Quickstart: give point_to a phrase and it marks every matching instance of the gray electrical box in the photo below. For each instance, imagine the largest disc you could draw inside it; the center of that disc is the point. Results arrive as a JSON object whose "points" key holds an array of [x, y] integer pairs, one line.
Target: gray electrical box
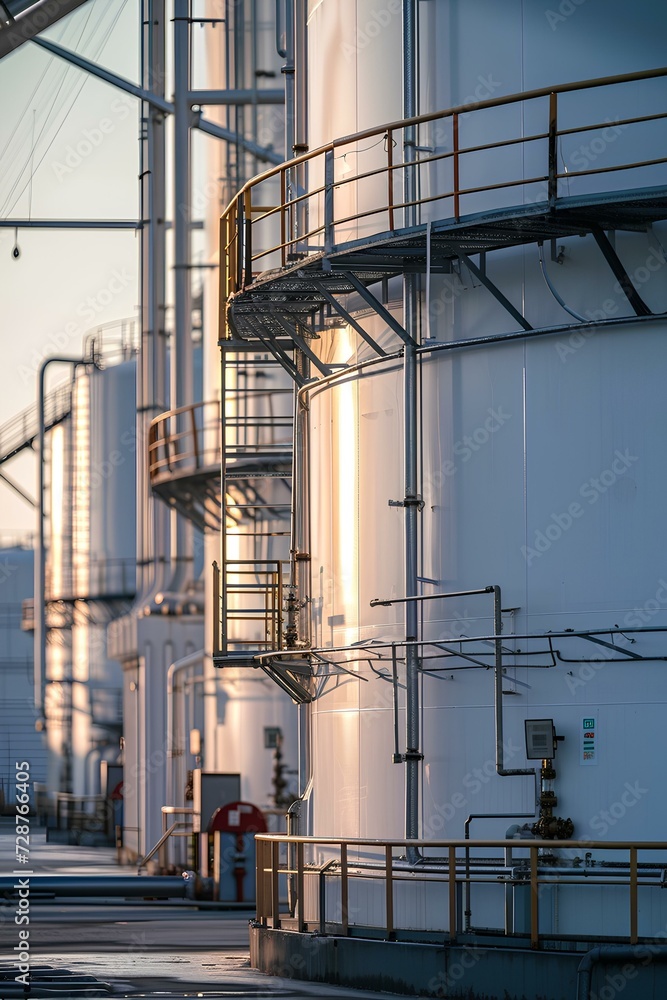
{"points": [[540, 739], [210, 790]]}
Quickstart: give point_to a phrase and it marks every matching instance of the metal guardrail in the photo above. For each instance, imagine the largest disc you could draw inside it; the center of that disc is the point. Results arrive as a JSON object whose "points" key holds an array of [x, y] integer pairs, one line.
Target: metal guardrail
{"points": [[187, 440], [294, 210], [279, 856]]}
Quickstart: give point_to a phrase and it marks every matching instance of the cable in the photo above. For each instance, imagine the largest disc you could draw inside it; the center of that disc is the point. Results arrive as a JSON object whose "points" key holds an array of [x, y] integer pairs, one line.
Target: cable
{"points": [[553, 291], [100, 49], [6, 211]]}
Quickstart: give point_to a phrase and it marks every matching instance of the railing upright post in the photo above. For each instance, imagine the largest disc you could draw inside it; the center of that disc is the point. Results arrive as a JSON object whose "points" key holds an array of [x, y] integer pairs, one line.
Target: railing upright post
{"points": [[300, 913], [239, 242], [390, 177], [328, 201], [275, 898], [283, 217], [553, 150], [534, 901], [452, 893], [247, 280], [389, 892], [344, 889], [455, 150], [633, 895], [195, 439]]}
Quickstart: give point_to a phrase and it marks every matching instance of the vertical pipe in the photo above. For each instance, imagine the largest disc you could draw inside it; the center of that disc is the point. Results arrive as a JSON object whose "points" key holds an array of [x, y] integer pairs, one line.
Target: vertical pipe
{"points": [[410, 319], [288, 71], [181, 362], [152, 396]]}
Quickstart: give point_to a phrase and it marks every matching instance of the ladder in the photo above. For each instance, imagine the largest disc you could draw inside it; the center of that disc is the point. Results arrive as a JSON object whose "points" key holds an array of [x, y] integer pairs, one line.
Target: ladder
{"points": [[256, 479]]}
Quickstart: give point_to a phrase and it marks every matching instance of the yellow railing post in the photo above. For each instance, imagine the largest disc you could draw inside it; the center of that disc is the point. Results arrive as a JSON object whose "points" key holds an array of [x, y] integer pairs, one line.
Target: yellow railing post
{"points": [[534, 901], [389, 891], [633, 895]]}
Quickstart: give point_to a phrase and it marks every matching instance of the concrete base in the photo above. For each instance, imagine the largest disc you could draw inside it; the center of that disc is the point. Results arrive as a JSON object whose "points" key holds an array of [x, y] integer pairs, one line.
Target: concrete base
{"points": [[470, 971]]}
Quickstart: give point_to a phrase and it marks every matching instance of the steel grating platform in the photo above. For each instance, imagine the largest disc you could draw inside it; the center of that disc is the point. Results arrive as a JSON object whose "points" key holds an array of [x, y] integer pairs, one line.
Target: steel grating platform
{"points": [[299, 290]]}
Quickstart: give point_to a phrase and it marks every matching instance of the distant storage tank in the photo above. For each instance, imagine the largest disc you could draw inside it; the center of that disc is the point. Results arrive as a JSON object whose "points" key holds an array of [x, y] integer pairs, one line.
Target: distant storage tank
{"points": [[90, 573], [21, 742]]}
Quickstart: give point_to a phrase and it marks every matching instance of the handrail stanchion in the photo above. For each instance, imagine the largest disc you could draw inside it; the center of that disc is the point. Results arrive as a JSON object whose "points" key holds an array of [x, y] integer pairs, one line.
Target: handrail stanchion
{"points": [[247, 208], [633, 895], [328, 201], [390, 177], [534, 901], [389, 891], [452, 893], [344, 893], [300, 912], [553, 149], [275, 897], [455, 150], [283, 218]]}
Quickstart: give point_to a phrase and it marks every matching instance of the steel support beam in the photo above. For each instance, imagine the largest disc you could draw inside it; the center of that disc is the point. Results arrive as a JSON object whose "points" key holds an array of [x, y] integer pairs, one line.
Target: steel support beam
{"points": [[190, 97], [280, 355], [621, 275], [342, 311], [377, 306], [495, 291], [300, 342], [36, 19], [106, 75], [218, 132]]}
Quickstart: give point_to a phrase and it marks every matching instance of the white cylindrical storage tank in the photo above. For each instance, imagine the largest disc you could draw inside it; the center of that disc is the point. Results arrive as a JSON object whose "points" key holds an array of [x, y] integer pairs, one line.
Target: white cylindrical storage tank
{"points": [[541, 452]]}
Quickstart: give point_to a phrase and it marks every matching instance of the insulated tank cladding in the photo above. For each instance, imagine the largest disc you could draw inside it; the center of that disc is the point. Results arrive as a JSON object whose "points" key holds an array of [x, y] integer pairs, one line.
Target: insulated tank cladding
{"points": [[542, 461]]}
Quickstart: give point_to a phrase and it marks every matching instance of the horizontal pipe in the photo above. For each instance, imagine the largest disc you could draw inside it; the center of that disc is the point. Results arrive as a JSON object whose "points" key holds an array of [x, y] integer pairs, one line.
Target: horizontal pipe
{"points": [[614, 953], [124, 886], [199, 97], [377, 601], [70, 224]]}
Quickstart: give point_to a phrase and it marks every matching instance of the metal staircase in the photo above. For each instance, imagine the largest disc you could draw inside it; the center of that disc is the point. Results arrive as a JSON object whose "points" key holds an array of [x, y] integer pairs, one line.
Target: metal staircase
{"points": [[21, 430]]}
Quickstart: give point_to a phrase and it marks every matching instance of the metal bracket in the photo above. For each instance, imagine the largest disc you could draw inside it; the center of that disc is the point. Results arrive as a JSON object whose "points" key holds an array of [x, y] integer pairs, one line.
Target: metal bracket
{"points": [[347, 316], [621, 275], [409, 501], [377, 306], [495, 291]]}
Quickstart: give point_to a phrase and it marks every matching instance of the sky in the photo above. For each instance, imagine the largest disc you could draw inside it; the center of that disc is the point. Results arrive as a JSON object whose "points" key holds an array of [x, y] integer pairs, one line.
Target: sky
{"points": [[68, 149]]}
